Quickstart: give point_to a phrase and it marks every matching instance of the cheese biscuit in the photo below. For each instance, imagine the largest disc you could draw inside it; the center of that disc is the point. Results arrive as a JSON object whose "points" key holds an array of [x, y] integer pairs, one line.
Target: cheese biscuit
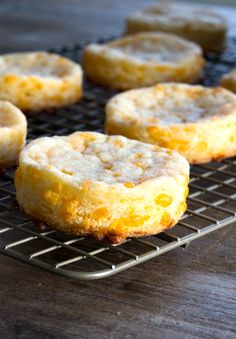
{"points": [[37, 80], [142, 60], [109, 187], [198, 122], [203, 26], [13, 129]]}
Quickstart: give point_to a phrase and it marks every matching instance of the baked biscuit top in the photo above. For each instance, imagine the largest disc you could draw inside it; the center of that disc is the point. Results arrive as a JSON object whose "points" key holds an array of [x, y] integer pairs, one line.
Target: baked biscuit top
{"points": [[180, 15], [161, 48], [37, 64], [90, 156], [167, 104]]}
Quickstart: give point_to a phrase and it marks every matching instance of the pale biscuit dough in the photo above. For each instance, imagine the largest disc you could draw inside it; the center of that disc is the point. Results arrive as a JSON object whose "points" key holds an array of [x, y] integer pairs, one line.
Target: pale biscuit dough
{"points": [[106, 186], [143, 59], [203, 26], [198, 122], [37, 80], [13, 129], [229, 81]]}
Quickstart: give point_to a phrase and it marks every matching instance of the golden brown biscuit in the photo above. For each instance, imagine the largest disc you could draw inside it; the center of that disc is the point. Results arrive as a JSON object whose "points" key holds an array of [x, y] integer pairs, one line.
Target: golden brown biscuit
{"points": [[142, 60], [198, 122], [229, 81], [37, 80], [203, 26], [13, 129], [105, 186]]}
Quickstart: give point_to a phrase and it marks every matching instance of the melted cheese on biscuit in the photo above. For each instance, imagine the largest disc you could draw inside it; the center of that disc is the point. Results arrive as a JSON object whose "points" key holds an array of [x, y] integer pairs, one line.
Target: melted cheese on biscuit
{"points": [[38, 64], [149, 47], [109, 159], [168, 104], [180, 15]]}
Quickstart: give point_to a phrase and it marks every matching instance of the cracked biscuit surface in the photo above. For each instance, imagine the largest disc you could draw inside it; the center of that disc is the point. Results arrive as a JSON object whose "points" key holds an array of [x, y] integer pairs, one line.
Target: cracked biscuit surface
{"points": [[198, 122], [201, 25], [13, 129], [37, 80], [143, 59], [109, 187]]}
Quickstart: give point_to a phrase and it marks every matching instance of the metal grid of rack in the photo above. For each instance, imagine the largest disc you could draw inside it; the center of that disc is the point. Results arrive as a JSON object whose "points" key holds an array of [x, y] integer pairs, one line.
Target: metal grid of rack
{"points": [[211, 202]]}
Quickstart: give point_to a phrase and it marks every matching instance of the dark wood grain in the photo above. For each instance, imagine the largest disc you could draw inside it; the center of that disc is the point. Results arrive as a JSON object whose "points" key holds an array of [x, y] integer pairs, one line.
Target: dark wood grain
{"points": [[183, 294]]}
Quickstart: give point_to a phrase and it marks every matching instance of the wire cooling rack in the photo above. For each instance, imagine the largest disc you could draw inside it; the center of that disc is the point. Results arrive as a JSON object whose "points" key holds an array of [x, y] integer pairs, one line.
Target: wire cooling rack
{"points": [[211, 202]]}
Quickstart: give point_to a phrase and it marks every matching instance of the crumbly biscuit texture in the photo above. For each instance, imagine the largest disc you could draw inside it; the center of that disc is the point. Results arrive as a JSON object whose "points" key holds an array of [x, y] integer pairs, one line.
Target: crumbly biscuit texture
{"points": [[198, 122], [13, 129], [201, 25], [229, 81], [143, 59], [37, 80], [105, 186]]}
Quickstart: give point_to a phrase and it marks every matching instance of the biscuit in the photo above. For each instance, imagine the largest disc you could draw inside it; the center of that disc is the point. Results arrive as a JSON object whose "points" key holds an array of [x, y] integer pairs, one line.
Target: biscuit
{"points": [[203, 26], [229, 81], [198, 122], [142, 60], [109, 187], [37, 80], [13, 129]]}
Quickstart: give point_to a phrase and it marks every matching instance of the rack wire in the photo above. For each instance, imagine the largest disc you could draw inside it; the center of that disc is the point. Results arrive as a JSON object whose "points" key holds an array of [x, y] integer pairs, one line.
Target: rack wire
{"points": [[211, 202]]}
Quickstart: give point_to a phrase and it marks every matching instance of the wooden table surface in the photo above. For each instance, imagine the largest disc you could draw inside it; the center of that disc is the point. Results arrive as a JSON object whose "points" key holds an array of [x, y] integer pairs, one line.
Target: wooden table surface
{"points": [[183, 294]]}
